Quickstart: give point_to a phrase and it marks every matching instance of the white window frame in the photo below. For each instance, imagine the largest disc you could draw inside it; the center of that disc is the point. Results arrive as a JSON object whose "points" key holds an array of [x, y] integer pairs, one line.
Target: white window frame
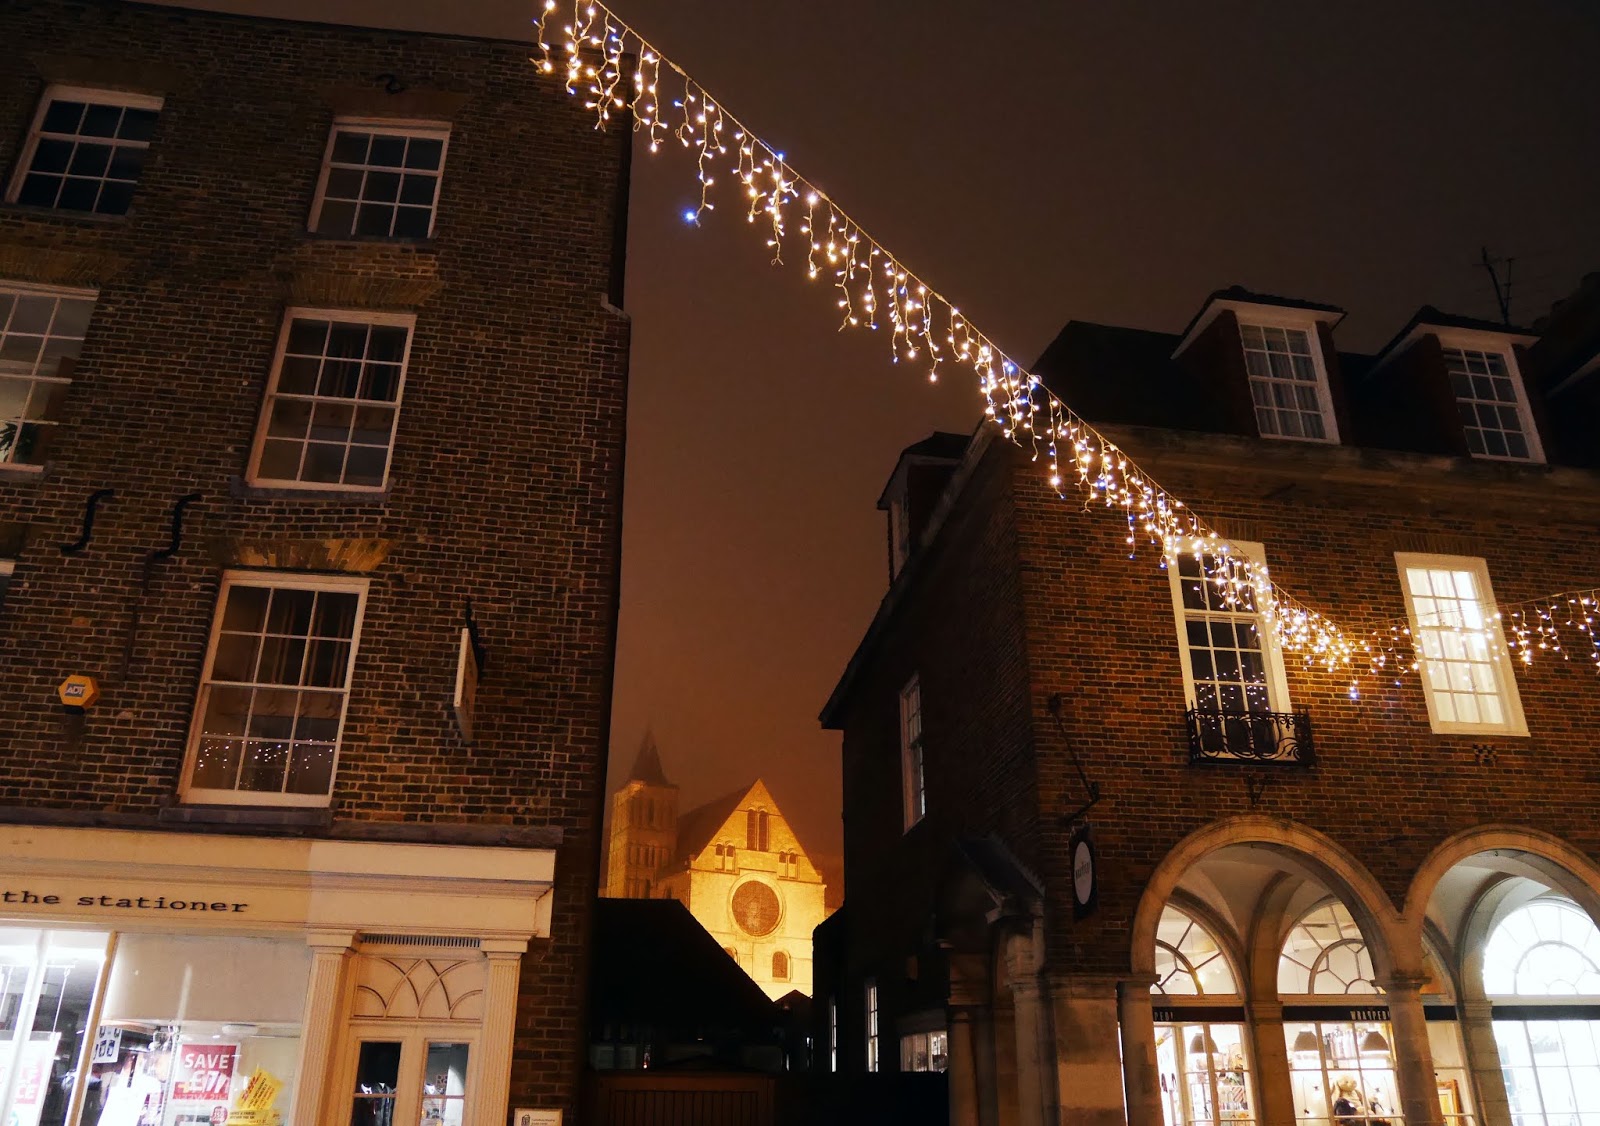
{"points": [[871, 995], [191, 794], [394, 127], [1261, 318], [88, 94], [407, 321], [414, 1039], [28, 290], [913, 755], [1505, 680], [833, 1034], [1496, 346], [1271, 651]]}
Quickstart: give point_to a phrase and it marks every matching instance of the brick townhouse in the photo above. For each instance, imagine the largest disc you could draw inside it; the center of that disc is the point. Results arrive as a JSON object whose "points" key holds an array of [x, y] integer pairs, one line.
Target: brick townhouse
{"points": [[1112, 855], [312, 389]]}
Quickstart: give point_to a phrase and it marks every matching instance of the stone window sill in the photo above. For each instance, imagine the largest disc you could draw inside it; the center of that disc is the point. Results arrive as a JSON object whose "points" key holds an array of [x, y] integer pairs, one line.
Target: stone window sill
{"points": [[300, 818], [240, 489]]}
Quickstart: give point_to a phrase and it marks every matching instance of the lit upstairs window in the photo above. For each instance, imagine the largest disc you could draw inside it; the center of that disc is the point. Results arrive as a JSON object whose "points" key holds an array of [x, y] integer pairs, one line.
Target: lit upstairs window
{"points": [[1287, 384], [1466, 671], [913, 774], [1494, 412], [270, 714], [7, 567], [85, 151], [1230, 662], [41, 333], [380, 180]]}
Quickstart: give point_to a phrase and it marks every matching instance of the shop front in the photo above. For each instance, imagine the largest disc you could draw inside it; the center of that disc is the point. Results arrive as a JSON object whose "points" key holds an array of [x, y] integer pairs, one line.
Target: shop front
{"points": [[163, 979]]}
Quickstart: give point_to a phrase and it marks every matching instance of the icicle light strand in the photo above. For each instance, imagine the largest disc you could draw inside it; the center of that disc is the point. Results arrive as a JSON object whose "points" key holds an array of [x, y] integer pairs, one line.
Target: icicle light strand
{"points": [[875, 289]]}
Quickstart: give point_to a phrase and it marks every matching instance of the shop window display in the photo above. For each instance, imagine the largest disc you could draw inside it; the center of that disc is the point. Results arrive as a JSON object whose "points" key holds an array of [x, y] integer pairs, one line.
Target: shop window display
{"points": [[191, 1030], [197, 1029], [925, 1051], [48, 984], [1201, 1047], [1341, 1058], [1543, 959]]}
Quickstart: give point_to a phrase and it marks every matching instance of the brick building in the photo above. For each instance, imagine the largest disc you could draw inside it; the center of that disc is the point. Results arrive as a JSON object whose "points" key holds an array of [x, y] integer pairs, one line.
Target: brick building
{"points": [[312, 388], [1303, 902]]}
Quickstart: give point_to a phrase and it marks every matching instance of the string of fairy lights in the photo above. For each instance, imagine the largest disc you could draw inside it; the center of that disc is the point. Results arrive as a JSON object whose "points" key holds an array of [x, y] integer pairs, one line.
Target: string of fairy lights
{"points": [[617, 73]]}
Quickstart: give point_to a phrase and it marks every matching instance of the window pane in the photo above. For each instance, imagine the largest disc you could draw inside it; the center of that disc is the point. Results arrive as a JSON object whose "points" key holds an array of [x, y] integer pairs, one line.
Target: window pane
{"points": [[377, 1078], [444, 1085]]}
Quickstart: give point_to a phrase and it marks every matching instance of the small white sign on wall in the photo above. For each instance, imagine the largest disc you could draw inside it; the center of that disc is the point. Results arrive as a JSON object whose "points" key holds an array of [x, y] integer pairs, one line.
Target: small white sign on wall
{"points": [[523, 1117]]}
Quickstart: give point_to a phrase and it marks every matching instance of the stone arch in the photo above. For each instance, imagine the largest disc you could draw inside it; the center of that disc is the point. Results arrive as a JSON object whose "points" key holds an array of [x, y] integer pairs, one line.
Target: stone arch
{"points": [[1544, 855], [1300, 845]]}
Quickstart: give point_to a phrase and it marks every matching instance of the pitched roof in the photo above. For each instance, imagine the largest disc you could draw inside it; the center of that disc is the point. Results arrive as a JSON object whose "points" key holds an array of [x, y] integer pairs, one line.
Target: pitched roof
{"points": [[653, 963], [647, 765], [700, 824]]}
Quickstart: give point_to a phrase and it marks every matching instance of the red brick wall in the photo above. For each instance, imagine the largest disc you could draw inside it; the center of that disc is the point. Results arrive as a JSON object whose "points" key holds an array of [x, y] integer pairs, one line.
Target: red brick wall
{"points": [[507, 468]]}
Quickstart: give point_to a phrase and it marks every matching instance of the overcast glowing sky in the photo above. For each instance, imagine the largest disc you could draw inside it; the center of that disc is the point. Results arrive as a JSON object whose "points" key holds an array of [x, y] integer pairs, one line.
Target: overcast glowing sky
{"points": [[1042, 161]]}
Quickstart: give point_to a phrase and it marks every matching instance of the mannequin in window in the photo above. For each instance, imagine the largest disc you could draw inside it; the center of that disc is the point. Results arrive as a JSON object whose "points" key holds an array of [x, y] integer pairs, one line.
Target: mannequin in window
{"points": [[1348, 1102]]}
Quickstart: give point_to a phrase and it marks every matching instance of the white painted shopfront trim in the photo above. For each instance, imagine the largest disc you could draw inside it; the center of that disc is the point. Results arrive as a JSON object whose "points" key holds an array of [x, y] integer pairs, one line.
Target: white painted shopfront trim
{"points": [[352, 902], [248, 883]]}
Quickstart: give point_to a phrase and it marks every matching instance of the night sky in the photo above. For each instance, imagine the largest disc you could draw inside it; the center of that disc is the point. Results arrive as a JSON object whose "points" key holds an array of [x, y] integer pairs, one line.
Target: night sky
{"points": [[1037, 162]]}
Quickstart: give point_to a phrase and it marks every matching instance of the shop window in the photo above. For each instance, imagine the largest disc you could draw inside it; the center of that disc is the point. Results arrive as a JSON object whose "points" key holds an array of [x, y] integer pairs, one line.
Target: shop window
{"points": [[1232, 667], [49, 981], [913, 773], [1466, 674], [193, 1030], [1542, 975], [380, 179], [1201, 1047], [1341, 1057], [41, 334], [85, 151], [925, 1051], [871, 991], [332, 400], [272, 699]]}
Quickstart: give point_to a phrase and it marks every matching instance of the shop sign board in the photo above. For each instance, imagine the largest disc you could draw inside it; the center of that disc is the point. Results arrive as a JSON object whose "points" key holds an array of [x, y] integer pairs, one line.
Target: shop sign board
{"points": [[204, 1072], [1085, 873], [528, 1117], [466, 698]]}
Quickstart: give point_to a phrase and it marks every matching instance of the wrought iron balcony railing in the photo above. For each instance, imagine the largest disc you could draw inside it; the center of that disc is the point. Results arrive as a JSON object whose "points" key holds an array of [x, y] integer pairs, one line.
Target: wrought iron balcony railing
{"points": [[1276, 738]]}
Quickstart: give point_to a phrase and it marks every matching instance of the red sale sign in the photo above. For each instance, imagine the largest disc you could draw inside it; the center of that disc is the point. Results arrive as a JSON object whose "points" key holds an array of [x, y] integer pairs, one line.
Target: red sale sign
{"points": [[203, 1072]]}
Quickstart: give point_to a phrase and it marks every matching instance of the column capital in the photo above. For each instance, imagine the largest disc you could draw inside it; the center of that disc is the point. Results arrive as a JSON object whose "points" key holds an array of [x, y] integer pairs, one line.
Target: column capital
{"points": [[1084, 985], [331, 941], [1403, 982], [504, 947], [1265, 1012]]}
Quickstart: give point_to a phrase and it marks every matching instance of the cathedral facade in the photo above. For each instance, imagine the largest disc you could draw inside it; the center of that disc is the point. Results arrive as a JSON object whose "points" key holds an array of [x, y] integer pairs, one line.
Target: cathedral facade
{"points": [[734, 862]]}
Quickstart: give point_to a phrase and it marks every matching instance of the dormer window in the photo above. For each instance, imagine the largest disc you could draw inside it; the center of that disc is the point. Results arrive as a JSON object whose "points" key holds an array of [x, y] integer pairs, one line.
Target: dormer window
{"points": [[1494, 412], [1287, 384]]}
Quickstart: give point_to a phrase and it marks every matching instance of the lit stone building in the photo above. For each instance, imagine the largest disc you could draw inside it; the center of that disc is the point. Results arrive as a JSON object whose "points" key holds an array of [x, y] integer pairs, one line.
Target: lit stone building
{"points": [[312, 387], [733, 862], [1114, 857]]}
